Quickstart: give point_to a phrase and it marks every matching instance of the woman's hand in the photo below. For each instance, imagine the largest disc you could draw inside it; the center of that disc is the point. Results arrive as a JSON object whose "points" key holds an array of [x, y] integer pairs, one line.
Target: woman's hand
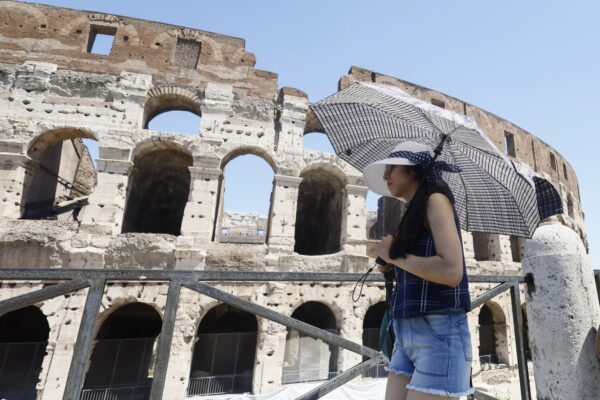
{"points": [[383, 248]]}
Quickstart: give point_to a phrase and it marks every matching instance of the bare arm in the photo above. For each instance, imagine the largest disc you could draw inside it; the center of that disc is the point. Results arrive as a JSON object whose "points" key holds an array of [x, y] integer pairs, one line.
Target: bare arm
{"points": [[446, 267]]}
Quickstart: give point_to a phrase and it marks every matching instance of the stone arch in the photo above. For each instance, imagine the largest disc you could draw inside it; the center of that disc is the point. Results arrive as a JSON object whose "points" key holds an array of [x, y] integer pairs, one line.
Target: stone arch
{"points": [[308, 359], [60, 170], [233, 153], [320, 210], [123, 353], [493, 340], [370, 337], [40, 18], [23, 340], [158, 188], [170, 98], [224, 352]]}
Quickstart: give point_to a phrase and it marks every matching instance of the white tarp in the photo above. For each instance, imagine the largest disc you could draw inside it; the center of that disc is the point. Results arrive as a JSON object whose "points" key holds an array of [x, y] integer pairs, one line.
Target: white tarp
{"points": [[373, 390]]}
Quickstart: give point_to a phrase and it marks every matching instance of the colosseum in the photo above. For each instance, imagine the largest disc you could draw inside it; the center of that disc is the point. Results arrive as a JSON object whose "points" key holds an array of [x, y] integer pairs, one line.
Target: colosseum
{"points": [[152, 202]]}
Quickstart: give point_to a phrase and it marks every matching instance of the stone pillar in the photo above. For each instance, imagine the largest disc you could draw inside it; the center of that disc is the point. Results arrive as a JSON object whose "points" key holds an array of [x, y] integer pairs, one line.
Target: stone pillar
{"points": [[282, 217], [270, 353], [294, 106], [199, 214], [354, 225], [563, 314], [106, 205], [13, 169]]}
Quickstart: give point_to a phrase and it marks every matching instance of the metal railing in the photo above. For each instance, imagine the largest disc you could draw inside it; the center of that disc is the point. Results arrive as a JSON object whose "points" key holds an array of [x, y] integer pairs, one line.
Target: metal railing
{"points": [[117, 393], [219, 384], [70, 280], [311, 375]]}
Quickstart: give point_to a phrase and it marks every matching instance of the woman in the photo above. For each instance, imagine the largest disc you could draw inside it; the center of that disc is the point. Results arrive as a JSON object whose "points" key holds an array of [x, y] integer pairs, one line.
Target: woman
{"points": [[432, 356]]}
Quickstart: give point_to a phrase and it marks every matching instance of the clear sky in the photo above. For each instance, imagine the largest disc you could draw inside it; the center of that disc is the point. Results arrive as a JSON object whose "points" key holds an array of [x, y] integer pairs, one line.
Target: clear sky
{"points": [[537, 64]]}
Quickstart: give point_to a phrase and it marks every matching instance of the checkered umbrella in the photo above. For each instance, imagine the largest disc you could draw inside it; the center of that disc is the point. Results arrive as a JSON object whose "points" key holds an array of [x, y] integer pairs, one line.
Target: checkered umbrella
{"points": [[365, 121]]}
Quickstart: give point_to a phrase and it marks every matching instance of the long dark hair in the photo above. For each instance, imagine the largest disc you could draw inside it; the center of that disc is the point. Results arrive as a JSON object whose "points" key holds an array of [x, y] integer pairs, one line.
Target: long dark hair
{"points": [[414, 221]]}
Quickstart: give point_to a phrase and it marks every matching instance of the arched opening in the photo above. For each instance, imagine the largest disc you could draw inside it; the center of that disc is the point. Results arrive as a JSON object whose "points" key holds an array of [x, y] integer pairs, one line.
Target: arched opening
{"points": [[526, 340], [23, 340], [60, 175], [246, 190], [317, 141], [182, 122], [486, 246], [370, 336], [570, 206], [158, 190], [223, 359], [319, 213], [173, 112], [493, 343], [308, 359], [122, 362]]}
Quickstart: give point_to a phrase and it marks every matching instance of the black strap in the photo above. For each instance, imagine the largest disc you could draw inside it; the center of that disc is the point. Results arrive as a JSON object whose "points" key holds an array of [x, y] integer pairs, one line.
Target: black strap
{"points": [[362, 284]]}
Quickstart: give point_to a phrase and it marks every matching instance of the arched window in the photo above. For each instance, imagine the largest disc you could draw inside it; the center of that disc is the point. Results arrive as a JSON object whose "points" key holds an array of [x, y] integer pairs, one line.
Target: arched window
{"points": [[493, 345], [570, 206], [223, 360], [158, 190], [23, 340], [122, 358], [246, 192], [173, 109], [317, 141], [308, 359], [370, 337], [60, 176], [319, 213]]}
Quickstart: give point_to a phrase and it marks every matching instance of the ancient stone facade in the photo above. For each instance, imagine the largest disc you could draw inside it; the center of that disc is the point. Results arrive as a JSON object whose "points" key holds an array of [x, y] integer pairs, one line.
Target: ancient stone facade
{"points": [[155, 199]]}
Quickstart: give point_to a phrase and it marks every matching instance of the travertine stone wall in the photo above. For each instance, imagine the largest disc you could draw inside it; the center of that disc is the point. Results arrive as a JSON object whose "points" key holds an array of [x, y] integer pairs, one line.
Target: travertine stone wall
{"points": [[53, 89]]}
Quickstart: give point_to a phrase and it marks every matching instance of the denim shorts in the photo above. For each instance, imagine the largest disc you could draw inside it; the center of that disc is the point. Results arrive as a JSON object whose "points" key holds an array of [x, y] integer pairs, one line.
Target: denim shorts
{"points": [[434, 351]]}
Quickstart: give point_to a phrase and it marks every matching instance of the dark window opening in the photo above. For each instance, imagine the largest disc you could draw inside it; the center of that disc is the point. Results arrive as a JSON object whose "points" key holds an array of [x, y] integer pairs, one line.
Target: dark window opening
{"points": [[389, 213], [187, 53], [223, 358], [122, 360], [23, 340], [553, 161], [308, 359], [101, 40], [370, 336], [438, 103], [487, 337], [565, 171], [570, 206], [509, 144], [159, 186], [319, 214]]}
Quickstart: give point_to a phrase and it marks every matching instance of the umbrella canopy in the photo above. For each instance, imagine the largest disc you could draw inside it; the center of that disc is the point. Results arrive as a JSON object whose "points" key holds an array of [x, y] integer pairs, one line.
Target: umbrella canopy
{"points": [[365, 121]]}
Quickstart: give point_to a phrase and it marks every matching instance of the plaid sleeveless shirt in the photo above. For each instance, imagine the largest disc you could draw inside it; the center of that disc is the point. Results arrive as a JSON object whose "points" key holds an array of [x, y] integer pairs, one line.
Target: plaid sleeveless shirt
{"points": [[414, 296]]}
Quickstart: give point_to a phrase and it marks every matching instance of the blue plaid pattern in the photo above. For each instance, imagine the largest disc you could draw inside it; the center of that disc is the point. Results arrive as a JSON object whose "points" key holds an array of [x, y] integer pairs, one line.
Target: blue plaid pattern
{"points": [[415, 296]]}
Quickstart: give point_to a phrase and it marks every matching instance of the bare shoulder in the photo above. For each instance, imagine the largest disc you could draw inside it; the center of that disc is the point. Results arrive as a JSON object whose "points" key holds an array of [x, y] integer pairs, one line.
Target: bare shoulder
{"points": [[439, 209]]}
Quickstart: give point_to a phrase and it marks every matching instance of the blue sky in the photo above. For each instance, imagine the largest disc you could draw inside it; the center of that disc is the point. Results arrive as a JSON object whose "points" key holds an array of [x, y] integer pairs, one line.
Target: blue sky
{"points": [[534, 63]]}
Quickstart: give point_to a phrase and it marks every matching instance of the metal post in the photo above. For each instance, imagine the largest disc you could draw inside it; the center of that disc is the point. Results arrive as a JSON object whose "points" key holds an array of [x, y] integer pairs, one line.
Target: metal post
{"points": [[164, 343], [81, 352], [515, 297]]}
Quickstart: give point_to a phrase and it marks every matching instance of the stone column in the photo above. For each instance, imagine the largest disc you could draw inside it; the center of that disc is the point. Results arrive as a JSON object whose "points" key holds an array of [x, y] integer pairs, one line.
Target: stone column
{"points": [[270, 353], [282, 217], [199, 214], [106, 204], [354, 226], [563, 315], [13, 169]]}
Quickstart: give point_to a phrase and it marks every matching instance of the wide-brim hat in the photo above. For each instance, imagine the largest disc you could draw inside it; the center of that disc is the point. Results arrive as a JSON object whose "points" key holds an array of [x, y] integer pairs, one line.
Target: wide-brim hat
{"points": [[373, 173]]}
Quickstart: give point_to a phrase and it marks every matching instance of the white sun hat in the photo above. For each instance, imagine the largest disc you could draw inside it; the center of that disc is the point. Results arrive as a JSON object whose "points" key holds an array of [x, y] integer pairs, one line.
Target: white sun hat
{"points": [[373, 173]]}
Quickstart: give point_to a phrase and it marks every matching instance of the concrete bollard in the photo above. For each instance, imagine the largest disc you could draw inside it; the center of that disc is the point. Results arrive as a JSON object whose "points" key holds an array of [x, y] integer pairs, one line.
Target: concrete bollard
{"points": [[563, 314]]}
